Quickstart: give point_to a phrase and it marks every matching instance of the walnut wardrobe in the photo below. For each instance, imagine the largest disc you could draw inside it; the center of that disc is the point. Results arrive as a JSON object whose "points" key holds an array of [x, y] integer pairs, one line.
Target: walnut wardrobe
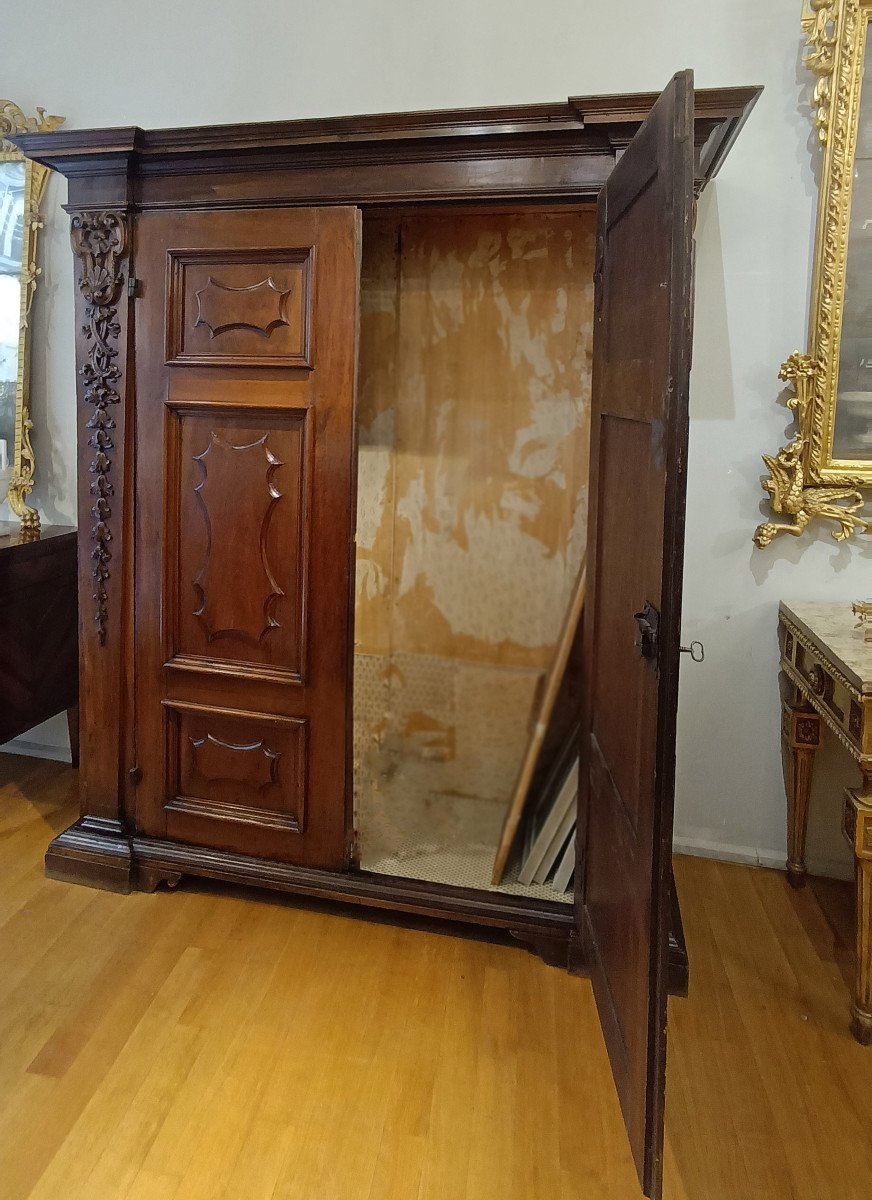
{"points": [[386, 348]]}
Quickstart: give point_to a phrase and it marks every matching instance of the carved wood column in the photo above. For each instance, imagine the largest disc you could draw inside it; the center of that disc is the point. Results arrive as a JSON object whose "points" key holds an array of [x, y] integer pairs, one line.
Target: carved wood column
{"points": [[802, 735], [96, 849], [858, 829]]}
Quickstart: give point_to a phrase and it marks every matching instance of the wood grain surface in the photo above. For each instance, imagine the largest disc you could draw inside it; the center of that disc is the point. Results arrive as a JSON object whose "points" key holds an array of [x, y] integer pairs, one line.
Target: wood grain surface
{"points": [[210, 1044], [244, 530], [635, 556]]}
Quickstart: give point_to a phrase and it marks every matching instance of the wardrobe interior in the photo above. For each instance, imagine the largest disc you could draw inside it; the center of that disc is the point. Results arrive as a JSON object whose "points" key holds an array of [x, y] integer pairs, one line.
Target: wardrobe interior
{"points": [[474, 404]]}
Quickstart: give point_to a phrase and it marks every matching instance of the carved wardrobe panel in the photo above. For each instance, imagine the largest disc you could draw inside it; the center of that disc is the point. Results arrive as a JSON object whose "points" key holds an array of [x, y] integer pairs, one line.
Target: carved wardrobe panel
{"points": [[244, 442]]}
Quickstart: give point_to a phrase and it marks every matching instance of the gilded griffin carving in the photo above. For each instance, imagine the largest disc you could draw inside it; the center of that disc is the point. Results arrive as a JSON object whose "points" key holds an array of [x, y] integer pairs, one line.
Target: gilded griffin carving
{"points": [[786, 483]]}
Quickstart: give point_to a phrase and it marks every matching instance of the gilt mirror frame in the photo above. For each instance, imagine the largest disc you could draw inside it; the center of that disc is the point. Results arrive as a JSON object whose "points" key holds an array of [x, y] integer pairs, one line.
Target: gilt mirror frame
{"points": [[21, 458], [807, 480]]}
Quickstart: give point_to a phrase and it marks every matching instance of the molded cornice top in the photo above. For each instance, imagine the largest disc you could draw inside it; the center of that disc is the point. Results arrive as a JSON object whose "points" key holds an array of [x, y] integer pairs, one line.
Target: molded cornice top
{"points": [[591, 124]]}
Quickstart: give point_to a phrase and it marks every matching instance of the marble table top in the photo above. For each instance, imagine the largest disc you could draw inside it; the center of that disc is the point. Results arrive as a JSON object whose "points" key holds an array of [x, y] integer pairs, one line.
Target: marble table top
{"points": [[832, 627]]}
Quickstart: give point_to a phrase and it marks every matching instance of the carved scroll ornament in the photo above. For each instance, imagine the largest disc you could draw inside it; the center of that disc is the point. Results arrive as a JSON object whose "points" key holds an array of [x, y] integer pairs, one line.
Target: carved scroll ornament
{"points": [[806, 481], [34, 178], [819, 27], [251, 764], [259, 307], [13, 121], [99, 242], [786, 483]]}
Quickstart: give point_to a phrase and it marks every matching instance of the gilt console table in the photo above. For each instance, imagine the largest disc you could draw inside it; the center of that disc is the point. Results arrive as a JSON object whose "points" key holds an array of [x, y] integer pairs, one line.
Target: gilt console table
{"points": [[826, 670]]}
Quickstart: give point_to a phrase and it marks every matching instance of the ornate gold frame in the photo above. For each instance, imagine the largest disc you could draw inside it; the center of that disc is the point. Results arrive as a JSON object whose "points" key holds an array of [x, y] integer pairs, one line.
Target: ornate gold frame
{"points": [[12, 122], [805, 481]]}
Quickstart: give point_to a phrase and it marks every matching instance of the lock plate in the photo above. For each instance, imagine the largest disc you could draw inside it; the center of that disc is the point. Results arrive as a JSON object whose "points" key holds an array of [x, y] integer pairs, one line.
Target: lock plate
{"points": [[648, 621]]}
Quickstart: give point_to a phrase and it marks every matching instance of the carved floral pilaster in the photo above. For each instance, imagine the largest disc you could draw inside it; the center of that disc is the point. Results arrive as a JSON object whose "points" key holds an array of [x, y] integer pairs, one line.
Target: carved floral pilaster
{"points": [[100, 242]]}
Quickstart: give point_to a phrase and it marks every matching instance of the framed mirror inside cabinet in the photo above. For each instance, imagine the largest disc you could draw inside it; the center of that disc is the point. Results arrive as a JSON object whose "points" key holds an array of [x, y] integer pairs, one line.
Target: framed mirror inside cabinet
{"points": [[825, 471], [22, 185]]}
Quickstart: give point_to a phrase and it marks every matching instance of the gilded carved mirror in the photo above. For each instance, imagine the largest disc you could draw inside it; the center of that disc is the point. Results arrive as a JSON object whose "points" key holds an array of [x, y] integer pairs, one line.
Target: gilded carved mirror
{"points": [[825, 471], [22, 184]]}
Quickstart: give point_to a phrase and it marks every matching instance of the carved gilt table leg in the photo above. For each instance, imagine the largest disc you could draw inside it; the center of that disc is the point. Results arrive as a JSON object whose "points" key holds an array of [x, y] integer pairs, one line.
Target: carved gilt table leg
{"points": [[858, 827], [802, 733]]}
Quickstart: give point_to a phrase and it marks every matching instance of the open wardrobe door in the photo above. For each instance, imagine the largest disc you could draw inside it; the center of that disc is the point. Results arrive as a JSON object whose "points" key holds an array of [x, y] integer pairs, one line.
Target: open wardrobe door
{"points": [[642, 346]]}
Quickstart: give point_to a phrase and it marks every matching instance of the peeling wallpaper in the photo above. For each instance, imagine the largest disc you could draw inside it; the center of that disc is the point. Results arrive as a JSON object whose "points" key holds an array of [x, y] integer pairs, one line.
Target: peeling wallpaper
{"points": [[474, 398], [474, 394]]}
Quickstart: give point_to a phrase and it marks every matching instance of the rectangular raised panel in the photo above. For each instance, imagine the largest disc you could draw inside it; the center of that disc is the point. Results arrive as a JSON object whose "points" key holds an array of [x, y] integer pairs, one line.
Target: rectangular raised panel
{"points": [[239, 307], [236, 577], [228, 765]]}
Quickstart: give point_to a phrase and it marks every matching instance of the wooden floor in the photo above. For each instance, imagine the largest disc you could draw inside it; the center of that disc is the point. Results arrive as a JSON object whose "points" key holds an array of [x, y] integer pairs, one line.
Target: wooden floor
{"points": [[204, 1045]]}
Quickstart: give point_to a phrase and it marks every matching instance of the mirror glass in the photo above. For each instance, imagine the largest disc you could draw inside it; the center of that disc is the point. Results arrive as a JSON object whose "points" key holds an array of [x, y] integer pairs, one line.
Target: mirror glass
{"points": [[852, 424], [12, 183]]}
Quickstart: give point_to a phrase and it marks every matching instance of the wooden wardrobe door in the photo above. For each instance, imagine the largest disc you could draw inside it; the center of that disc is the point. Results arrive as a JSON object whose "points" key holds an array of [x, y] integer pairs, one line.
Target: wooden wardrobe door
{"points": [[246, 332], [642, 344]]}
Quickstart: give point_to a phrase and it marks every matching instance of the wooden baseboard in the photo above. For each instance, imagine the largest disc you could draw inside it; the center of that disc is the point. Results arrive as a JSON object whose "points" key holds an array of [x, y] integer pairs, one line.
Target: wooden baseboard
{"points": [[771, 859], [30, 749]]}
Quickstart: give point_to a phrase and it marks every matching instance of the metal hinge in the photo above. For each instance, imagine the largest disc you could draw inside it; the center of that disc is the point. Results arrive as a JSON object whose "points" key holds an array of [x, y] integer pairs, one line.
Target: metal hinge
{"points": [[599, 262], [352, 853], [132, 287]]}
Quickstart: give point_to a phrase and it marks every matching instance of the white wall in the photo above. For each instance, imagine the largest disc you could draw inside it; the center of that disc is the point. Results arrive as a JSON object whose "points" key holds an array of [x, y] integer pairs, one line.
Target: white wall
{"points": [[166, 63]]}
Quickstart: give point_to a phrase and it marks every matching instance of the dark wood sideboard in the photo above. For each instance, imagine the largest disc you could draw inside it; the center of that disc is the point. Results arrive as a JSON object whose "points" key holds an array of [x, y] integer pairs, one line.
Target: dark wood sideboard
{"points": [[39, 644]]}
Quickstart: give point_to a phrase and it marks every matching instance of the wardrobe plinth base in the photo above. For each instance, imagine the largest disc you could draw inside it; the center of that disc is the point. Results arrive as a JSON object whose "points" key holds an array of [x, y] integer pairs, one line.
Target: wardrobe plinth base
{"points": [[554, 951], [94, 852], [156, 859], [149, 879]]}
